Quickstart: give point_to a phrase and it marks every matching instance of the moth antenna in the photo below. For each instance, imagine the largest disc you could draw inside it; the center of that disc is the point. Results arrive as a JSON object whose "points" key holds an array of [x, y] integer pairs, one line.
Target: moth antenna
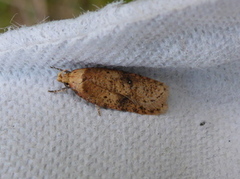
{"points": [[67, 71]]}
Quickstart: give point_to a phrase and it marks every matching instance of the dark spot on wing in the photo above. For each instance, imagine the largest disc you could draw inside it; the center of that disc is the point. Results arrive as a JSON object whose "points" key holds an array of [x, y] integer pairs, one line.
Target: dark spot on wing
{"points": [[123, 101]]}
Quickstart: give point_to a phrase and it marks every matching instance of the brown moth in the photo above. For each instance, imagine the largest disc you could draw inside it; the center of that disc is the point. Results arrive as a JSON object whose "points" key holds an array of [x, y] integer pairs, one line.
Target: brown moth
{"points": [[116, 89]]}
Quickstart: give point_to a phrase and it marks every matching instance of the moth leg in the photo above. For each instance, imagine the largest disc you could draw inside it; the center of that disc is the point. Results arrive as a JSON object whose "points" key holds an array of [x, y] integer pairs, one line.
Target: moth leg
{"points": [[99, 110], [60, 90], [67, 71]]}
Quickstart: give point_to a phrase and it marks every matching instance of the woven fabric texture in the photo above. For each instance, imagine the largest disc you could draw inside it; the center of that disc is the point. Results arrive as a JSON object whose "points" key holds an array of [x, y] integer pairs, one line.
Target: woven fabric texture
{"points": [[191, 45]]}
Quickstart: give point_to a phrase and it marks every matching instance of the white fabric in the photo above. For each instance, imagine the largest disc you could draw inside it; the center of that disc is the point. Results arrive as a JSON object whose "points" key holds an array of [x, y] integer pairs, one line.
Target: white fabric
{"points": [[191, 45]]}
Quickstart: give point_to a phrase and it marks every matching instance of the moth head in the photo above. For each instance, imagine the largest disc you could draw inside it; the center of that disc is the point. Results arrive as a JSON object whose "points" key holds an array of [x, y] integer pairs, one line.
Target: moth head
{"points": [[63, 77]]}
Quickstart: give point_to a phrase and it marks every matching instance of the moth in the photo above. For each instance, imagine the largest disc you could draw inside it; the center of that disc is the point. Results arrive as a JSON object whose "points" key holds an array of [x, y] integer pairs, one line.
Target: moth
{"points": [[116, 89]]}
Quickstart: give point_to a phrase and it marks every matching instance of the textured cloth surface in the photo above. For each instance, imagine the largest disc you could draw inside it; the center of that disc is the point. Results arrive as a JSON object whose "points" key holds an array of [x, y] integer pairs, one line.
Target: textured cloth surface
{"points": [[193, 46]]}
